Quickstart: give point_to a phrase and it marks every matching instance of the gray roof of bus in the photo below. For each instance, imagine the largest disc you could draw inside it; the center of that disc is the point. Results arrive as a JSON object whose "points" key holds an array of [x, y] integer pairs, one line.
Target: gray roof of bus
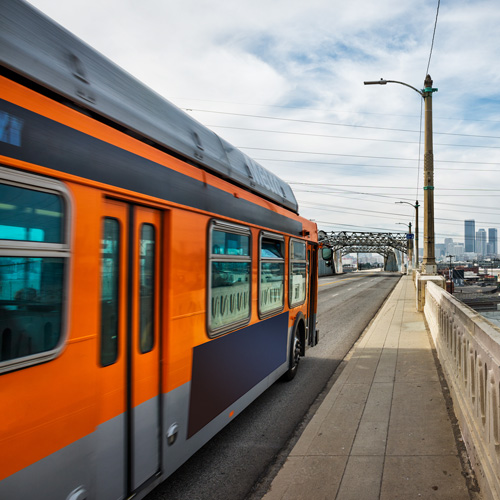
{"points": [[34, 46]]}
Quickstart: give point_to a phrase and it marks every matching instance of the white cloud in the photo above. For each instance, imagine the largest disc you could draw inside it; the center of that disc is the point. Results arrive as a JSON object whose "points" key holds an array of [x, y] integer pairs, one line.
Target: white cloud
{"points": [[307, 61]]}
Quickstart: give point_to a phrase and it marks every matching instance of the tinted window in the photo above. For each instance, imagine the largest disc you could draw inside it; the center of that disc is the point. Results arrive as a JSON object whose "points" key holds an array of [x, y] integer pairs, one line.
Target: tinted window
{"points": [[230, 268], [31, 294], [28, 215], [110, 253], [224, 243], [272, 275], [32, 278], [298, 273], [147, 288]]}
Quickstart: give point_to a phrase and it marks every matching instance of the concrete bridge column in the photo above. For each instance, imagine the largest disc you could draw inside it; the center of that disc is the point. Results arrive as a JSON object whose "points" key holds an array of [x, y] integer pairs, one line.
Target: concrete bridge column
{"points": [[390, 262]]}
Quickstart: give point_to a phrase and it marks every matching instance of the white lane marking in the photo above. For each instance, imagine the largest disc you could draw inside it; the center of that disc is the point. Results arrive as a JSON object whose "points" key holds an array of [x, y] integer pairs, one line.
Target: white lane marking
{"points": [[334, 295]]}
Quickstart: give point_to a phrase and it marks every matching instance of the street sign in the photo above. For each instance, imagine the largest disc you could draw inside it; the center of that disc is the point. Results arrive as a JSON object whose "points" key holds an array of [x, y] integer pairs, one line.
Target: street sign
{"points": [[409, 236]]}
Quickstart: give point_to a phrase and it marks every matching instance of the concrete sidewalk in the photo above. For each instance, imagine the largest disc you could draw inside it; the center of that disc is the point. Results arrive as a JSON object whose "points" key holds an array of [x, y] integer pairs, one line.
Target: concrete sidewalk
{"points": [[383, 430]]}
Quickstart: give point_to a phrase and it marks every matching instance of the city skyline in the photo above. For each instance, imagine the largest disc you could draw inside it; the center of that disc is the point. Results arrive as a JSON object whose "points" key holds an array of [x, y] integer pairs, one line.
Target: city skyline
{"points": [[483, 242]]}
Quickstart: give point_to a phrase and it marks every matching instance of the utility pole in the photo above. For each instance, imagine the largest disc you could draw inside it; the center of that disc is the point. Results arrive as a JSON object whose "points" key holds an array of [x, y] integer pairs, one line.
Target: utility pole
{"points": [[429, 262]]}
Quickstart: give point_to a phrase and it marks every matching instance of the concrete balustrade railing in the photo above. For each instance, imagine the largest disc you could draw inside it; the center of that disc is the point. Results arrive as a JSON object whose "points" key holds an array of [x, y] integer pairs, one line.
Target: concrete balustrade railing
{"points": [[468, 347]]}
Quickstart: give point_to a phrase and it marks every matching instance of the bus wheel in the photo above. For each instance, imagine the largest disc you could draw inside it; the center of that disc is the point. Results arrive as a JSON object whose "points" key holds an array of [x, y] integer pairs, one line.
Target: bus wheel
{"points": [[294, 358]]}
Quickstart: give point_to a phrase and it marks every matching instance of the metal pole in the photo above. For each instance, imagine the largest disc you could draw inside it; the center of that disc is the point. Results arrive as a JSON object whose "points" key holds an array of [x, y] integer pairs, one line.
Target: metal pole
{"points": [[416, 235], [410, 248], [429, 262]]}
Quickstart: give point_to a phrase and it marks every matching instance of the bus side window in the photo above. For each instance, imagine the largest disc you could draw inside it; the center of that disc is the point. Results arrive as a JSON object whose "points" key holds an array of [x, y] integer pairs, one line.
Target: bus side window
{"points": [[298, 273], [33, 260], [229, 270], [272, 274]]}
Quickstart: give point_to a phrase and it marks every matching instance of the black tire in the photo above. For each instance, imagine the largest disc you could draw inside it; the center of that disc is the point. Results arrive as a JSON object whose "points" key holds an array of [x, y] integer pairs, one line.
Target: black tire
{"points": [[295, 349]]}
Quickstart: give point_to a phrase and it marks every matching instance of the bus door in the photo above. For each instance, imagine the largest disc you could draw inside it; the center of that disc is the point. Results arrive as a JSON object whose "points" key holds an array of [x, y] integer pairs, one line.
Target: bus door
{"points": [[143, 344], [137, 230], [312, 271]]}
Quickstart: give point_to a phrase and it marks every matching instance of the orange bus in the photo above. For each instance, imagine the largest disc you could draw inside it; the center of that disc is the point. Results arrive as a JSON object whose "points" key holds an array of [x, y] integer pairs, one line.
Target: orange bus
{"points": [[154, 280]]}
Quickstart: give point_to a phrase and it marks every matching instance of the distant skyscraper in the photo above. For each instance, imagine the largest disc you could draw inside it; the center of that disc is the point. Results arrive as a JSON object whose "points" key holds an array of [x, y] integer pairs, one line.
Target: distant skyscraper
{"points": [[481, 242], [492, 241], [470, 235]]}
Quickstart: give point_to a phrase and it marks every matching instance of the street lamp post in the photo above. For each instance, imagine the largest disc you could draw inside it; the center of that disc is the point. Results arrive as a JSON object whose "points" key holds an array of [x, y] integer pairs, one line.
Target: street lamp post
{"points": [[416, 227], [450, 269], [429, 262], [409, 242]]}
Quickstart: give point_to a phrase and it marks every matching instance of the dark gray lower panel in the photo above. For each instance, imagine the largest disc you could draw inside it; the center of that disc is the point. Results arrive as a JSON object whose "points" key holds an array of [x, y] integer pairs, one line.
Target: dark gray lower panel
{"points": [[110, 459], [55, 476]]}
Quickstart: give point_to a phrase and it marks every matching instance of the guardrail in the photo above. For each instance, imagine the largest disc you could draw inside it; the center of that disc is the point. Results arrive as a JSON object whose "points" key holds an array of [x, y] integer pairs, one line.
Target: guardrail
{"points": [[468, 347]]}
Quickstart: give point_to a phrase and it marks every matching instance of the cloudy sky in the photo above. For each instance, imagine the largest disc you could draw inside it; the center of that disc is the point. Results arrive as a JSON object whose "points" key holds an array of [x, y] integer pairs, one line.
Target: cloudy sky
{"points": [[283, 81]]}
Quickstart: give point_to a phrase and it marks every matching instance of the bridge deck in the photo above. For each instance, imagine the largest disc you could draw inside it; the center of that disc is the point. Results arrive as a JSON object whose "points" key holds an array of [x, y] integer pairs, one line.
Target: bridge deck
{"points": [[384, 431]]}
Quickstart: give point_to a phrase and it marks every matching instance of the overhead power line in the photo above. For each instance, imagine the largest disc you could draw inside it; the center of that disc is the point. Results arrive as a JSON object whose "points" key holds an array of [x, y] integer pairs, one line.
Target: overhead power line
{"points": [[347, 138], [334, 124], [364, 156], [376, 213], [435, 117], [390, 200], [336, 164], [433, 35], [385, 187]]}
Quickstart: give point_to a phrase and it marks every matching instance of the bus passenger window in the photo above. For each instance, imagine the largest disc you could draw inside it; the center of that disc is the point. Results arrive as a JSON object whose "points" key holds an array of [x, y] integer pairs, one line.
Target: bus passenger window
{"points": [[31, 284], [147, 288], [110, 253], [229, 294], [272, 274], [298, 273], [29, 215]]}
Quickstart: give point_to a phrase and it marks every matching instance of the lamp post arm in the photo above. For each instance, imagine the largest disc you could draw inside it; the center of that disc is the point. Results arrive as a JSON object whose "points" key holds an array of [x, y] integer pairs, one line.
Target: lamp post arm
{"points": [[384, 82], [406, 85], [408, 203]]}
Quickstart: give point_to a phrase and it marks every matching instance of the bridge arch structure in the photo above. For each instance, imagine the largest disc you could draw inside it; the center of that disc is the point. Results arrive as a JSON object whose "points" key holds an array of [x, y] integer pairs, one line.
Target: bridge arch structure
{"points": [[390, 245]]}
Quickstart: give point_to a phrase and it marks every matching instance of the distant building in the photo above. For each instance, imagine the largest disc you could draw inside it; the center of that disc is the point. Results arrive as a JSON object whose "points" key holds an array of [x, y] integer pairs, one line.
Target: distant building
{"points": [[440, 250], [492, 241], [470, 256], [470, 236], [449, 246], [458, 251], [481, 242]]}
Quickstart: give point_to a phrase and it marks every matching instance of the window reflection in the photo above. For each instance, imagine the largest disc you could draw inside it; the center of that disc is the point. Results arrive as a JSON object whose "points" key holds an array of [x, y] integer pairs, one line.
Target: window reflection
{"points": [[109, 291], [146, 287], [272, 275], [31, 292], [230, 278], [28, 215]]}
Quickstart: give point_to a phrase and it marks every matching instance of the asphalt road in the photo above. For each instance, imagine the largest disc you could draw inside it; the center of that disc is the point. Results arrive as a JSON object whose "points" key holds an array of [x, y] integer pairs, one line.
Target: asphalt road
{"points": [[241, 461]]}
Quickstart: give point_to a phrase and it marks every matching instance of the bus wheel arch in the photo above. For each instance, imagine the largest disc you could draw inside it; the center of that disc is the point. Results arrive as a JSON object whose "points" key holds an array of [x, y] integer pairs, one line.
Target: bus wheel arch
{"points": [[296, 347]]}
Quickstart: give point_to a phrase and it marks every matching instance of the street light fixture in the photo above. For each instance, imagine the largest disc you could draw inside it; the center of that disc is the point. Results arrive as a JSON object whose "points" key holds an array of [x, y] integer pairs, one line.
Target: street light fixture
{"points": [[416, 228], [429, 262]]}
